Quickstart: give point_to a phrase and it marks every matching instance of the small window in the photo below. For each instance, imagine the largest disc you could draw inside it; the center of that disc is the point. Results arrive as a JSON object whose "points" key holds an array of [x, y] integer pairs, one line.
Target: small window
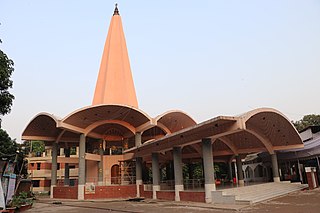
{"points": [[72, 166], [72, 182], [38, 166], [36, 183], [58, 166]]}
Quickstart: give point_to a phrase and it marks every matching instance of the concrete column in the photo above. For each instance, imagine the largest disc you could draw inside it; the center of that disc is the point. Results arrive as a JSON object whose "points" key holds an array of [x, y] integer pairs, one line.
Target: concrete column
{"points": [[209, 182], [82, 167], [62, 152], [138, 138], [318, 173], [155, 175], [138, 174], [66, 167], [239, 170], [275, 169], [236, 170], [178, 176], [138, 164], [100, 166], [300, 172], [54, 167]]}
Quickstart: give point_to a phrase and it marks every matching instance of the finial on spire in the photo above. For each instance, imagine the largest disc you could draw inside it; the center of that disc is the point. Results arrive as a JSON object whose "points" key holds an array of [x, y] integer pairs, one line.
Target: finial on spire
{"points": [[116, 11]]}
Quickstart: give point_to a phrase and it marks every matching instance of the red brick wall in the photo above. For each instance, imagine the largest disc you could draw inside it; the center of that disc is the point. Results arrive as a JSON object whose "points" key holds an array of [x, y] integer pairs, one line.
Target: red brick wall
{"points": [[192, 196], [45, 183], [42, 166], [148, 194], [66, 192], [166, 195], [45, 166], [32, 166], [103, 192], [141, 190], [310, 182]]}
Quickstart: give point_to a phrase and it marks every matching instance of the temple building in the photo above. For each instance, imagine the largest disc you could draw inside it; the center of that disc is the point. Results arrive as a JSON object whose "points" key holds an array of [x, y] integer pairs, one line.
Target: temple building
{"points": [[119, 151]]}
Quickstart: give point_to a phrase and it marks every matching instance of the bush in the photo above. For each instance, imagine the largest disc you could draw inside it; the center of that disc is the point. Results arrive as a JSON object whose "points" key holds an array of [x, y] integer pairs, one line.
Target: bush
{"points": [[21, 199]]}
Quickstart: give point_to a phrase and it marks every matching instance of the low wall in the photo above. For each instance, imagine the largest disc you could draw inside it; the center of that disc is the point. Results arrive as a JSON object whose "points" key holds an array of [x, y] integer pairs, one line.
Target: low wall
{"points": [[192, 196], [166, 195], [147, 194], [108, 192], [65, 192]]}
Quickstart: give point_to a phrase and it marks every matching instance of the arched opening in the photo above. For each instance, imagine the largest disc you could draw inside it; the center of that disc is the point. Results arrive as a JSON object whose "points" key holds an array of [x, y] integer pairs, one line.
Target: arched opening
{"points": [[248, 174], [115, 174], [258, 171]]}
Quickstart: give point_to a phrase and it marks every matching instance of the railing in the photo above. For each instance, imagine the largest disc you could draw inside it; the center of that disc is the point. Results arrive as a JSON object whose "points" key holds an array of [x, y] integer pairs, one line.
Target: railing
{"points": [[124, 180], [193, 184], [189, 184], [167, 185]]}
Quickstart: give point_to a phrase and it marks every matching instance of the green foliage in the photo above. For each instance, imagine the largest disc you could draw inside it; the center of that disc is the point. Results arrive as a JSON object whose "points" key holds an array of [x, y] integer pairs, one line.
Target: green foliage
{"points": [[8, 147], [6, 70], [307, 120], [73, 150], [37, 146], [193, 170], [21, 199], [10, 150]]}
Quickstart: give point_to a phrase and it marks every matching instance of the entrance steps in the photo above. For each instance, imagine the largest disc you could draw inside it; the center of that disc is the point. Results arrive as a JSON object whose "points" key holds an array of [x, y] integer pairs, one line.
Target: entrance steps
{"points": [[255, 193]]}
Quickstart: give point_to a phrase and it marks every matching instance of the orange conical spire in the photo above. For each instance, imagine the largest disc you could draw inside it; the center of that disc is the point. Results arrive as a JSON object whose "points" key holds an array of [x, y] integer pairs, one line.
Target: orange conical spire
{"points": [[115, 84]]}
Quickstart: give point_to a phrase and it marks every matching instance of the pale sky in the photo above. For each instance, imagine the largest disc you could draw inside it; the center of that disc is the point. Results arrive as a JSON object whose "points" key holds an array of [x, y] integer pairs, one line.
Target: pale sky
{"points": [[207, 58]]}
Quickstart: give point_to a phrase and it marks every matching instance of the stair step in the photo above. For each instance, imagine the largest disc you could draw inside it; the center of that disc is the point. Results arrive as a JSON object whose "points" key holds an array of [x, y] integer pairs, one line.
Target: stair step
{"points": [[258, 193]]}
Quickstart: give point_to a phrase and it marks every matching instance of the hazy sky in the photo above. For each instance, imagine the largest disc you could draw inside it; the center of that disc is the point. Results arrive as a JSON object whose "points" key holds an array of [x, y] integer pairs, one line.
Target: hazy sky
{"points": [[207, 58]]}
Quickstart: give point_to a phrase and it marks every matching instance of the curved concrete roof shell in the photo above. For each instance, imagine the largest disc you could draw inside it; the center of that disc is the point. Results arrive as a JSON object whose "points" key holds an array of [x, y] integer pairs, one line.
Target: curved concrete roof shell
{"points": [[42, 127], [174, 120], [86, 116], [95, 121], [254, 131], [259, 130]]}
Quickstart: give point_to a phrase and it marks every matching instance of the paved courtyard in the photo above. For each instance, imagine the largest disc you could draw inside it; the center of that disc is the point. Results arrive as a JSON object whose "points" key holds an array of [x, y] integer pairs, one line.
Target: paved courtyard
{"points": [[297, 202]]}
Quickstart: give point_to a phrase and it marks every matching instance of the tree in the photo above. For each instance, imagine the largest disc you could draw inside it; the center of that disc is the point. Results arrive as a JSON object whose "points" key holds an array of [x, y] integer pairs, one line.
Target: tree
{"points": [[8, 147], [6, 70], [37, 147], [307, 120], [10, 150]]}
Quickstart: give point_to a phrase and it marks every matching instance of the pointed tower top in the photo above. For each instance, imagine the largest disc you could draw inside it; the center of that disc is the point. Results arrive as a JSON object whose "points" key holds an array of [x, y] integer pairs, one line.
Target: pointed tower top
{"points": [[115, 83], [116, 11]]}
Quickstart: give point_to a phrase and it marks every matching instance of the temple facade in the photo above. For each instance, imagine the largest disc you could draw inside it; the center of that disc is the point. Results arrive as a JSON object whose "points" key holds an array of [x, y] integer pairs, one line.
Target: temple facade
{"points": [[123, 152]]}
